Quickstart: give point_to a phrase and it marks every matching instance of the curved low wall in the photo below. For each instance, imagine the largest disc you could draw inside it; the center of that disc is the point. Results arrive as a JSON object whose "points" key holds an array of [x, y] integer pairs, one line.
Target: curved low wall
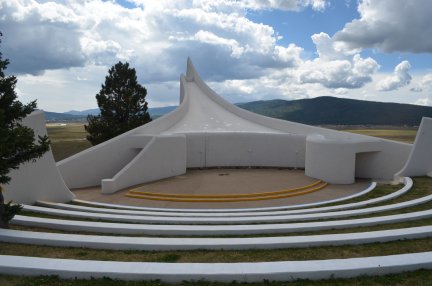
{"points": [[419, 162], [39, 180], [340, 161]]}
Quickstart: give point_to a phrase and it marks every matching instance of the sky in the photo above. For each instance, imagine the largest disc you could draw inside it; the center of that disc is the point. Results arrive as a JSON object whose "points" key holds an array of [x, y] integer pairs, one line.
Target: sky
{"points": [[379, 50]]}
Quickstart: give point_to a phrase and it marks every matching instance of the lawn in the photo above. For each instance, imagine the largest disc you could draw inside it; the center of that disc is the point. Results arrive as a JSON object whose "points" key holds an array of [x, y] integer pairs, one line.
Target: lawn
{"points": [[403, 135], [67, 139]]}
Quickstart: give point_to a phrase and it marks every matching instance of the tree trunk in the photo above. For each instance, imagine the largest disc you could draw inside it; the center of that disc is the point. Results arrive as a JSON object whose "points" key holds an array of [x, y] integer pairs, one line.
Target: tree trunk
{"points": [[3, 223]]}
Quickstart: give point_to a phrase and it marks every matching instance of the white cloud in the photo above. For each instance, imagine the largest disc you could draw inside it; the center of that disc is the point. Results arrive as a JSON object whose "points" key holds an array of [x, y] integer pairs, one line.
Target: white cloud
{"points": [[77, 41], [289, 5], [426, 81], [416, 89], [210, 38], [426, 101], [289, 55], [327, 49], [336, 68], [400, 78], [48, 36], [286, 5], [390, 25], [155, 37]]}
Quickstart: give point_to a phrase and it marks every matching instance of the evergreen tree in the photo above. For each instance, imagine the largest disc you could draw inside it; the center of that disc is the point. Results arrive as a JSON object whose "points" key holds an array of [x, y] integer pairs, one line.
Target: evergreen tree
{"points": [[122, 104], [17, 142]]}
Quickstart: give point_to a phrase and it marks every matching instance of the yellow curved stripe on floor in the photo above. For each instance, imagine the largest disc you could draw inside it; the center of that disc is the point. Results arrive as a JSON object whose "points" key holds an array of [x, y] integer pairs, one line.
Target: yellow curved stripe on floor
{"points": [[221, 200], [135, 192]]}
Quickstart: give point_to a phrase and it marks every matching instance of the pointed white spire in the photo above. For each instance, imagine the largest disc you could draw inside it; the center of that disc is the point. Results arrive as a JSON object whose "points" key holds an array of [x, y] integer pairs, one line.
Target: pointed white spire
{"points": [[190, 71]]}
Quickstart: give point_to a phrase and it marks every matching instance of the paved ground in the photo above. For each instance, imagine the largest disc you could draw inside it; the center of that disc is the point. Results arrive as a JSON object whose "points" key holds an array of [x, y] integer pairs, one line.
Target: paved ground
{"points": [[227, 181]]}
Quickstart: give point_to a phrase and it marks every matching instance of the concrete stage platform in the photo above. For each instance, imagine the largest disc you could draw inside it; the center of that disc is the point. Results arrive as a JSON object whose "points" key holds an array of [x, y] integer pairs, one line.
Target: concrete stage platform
{"points": [[226, 181]]}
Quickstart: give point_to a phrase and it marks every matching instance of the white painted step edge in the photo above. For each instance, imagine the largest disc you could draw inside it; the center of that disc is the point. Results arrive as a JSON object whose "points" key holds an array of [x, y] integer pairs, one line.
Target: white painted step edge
{"points": [[228, 220], [194, 230], [164, 243], [223, 272]]}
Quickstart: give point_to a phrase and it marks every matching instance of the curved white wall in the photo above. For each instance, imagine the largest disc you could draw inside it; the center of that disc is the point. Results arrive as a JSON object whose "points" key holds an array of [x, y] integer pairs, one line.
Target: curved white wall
{"points": [[341, 161], [419, 162], [38, 180]]}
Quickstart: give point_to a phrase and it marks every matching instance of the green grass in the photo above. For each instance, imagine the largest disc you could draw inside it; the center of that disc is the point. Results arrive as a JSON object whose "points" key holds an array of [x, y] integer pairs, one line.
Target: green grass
{"points": [[223, 256], [414, 278], [403, 135], [67, 140]]}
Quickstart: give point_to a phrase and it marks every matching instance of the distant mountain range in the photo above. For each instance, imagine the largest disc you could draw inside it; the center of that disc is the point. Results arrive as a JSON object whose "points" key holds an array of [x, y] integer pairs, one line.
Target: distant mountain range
{"points": [[75, 115], [324, 110], [328, 110]]}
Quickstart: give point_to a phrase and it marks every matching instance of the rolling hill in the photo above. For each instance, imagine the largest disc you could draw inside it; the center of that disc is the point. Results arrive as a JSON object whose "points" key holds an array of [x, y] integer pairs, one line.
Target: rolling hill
{"points": [[328, 110], [324, 110]]}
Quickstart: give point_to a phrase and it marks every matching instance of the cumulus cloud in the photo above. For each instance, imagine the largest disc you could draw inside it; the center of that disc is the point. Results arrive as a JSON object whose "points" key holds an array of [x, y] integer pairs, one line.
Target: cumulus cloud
{"points": [[390, 25], [286, 5], [156, 34], [48, 36], [400, 78], [289, 5], [426, 81], [336, 68], [426, 101]]}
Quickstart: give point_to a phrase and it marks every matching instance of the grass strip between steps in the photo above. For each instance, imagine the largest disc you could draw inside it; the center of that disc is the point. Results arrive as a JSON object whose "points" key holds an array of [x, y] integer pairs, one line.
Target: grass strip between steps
{"points": [[417, 278], [214, 256]]}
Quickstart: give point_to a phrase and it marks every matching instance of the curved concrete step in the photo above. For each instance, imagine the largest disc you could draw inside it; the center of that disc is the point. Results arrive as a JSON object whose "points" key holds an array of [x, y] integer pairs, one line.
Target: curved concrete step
{"points": [[229, 220], [164, 243], [223, 272], [213, 230]]}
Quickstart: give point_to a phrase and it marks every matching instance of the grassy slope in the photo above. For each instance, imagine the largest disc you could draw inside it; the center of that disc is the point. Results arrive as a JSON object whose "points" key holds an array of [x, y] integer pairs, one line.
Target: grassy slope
{"points": [[67, 140]]}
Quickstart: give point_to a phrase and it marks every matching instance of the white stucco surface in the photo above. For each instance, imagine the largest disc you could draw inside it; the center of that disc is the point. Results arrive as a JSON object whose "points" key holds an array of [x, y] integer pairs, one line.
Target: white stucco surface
{"points": [[190, 243], [205, 115], [419, 162], [197, 230], [162, 157], [40, 179], [224, 272]]}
